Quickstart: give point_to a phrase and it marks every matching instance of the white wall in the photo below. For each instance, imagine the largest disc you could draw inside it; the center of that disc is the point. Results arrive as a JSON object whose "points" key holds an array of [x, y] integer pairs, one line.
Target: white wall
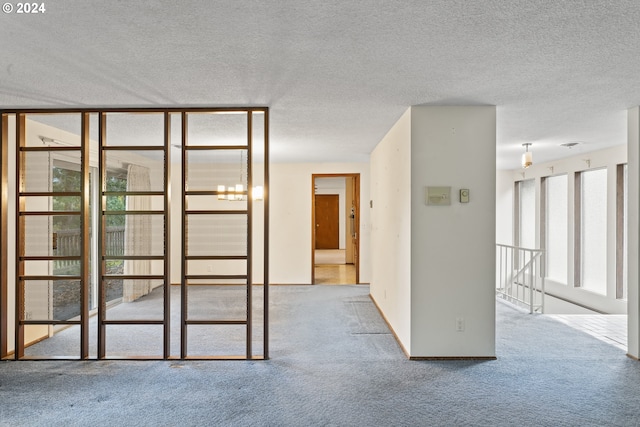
{"points": [[200, 174], [435, 264], [633, 147], [290, 219], [391, 228], [608, 158], [453, 247], [504, 207]]}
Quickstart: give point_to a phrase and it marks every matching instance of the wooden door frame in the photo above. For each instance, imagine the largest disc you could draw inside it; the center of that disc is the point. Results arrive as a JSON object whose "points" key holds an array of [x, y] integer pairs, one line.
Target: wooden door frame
{"points": [[356, 197]]}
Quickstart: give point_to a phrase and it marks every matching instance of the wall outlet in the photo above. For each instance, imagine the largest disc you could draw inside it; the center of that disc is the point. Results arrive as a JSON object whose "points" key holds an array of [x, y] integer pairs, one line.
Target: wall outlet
{"points": [[459, 324], [210, 268]]}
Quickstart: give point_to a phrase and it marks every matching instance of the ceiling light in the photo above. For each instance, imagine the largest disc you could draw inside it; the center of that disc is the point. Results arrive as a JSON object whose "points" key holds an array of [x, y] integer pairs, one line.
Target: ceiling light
{"points": [[527, 156], [236, 192], [258, 192]]}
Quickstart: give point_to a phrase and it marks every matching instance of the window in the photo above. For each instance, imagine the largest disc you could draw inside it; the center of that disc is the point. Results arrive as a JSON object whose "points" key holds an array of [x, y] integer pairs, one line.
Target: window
{"points": [[556, 227], [526, 217], [593, 230]]}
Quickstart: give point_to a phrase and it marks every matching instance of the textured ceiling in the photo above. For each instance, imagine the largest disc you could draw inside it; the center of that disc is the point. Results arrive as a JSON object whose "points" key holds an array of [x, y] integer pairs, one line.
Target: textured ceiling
{"points": [[337, 74]]}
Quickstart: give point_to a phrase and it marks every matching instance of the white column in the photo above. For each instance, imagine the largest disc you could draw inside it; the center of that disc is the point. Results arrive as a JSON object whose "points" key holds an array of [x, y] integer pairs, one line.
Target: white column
{"points": [[453, 246], [633, 298]]}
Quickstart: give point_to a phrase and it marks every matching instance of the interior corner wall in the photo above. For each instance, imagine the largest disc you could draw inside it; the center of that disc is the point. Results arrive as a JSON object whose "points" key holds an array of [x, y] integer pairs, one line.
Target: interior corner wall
{"points": [[453, 247], [391, 228], [290, 219], [633, 298]]}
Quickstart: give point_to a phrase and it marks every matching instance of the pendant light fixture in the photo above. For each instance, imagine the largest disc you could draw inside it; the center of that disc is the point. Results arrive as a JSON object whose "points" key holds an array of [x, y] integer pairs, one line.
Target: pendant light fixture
{"points": [[236, 193], [527, 156], [233, 192]]}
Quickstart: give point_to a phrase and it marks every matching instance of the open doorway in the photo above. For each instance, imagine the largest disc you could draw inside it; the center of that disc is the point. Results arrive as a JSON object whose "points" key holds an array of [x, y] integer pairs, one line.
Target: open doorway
{"points": [[335, 229]]}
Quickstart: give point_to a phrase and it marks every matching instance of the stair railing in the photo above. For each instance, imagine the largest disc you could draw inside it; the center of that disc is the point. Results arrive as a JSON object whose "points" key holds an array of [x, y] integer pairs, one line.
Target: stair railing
{"points": [[519, 278]]}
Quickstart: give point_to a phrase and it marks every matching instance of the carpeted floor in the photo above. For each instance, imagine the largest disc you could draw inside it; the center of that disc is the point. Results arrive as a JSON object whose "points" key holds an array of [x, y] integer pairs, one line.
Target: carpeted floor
{"points": [[205, 303], [334, 363]]}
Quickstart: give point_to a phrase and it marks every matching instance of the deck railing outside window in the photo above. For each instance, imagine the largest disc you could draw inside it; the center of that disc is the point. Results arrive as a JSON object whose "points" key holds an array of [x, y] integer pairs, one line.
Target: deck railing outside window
{"points": [[67, 243]]}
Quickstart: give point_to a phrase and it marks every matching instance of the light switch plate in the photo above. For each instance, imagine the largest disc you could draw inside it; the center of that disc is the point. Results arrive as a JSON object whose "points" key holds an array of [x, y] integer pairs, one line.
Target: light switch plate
{"points": [[464, 195], [438, 196]]}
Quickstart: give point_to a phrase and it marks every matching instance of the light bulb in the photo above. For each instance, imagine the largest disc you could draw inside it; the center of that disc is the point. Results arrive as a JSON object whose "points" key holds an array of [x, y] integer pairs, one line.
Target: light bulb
{"points": [[221, 192]]}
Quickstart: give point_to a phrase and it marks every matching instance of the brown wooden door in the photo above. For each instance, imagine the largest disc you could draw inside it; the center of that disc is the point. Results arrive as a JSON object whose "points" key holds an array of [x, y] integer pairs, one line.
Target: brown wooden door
{"points": [[327, 221]]}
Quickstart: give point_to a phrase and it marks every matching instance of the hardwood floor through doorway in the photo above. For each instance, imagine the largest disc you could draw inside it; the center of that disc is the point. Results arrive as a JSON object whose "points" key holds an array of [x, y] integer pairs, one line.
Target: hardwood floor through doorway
{"points": [[344, 274], [331, 269], [330, 256]]}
